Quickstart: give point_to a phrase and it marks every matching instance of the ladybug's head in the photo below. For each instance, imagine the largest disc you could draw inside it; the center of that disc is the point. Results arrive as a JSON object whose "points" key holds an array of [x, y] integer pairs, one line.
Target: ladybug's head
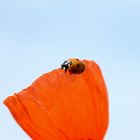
{"points": [[65, 65]]}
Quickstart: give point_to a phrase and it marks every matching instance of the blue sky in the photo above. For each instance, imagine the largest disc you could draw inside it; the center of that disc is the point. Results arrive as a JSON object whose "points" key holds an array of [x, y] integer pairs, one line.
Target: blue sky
{"points": [[37, 36]]}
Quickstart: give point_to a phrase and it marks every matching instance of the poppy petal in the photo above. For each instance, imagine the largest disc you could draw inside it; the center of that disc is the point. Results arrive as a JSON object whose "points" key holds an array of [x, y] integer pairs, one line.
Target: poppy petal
{"points": [[63, 106]]}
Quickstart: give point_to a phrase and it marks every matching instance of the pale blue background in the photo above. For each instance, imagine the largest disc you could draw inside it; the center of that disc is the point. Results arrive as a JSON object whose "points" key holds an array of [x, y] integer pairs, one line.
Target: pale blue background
{"points": [[36, 36]]}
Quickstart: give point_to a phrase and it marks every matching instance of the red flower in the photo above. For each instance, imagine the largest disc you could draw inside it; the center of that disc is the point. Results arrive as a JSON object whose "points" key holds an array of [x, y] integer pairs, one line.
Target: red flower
{"points": [[63, 106]]}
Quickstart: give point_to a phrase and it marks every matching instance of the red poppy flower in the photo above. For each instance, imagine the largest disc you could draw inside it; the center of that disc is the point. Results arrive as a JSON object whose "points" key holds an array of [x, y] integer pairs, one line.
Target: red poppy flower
{"points": [[63, 106]]}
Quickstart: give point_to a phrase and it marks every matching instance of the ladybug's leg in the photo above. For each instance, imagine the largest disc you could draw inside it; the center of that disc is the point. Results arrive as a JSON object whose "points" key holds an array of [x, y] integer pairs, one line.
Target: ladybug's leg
{"points": [[65, 69]]}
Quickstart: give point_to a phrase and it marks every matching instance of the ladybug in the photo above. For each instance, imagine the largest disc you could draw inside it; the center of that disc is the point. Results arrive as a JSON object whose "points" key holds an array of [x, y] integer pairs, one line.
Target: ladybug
{"points": [[73, 65]]}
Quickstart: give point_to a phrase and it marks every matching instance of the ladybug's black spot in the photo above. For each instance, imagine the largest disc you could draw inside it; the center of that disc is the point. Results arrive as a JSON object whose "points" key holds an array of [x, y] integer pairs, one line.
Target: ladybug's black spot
{"points": [[77, 59], [78, 65]]}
